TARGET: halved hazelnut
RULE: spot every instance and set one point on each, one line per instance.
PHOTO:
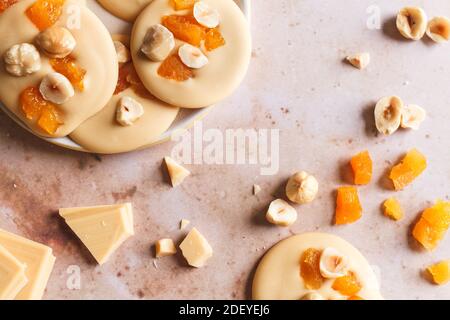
(439, 29)
(56, 88)
(205, 15)
(128, 111)
(281, 213)
(412, 22)
(412, 117)
(332, 264)
(56, 42)
(192, 56)
(123, 54)
(388, 114)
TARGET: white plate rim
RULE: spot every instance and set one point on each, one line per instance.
(66, 142)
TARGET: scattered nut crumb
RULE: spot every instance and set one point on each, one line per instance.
(256, 189)
(359, 60)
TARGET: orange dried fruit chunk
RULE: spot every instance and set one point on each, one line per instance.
(412, 165)
(48, 121)
(440, 272)
(347, 285)
(393, 209)
(127, 78)
(433, 225)
(32, 103)
(362, 168)
(68, 68)
(174, 69)
(184, 4)
(185, 28)
(355, 298)
(36, 108)
(310, 269)
(5, 4)
(213, 39)
(348, 206)
(44, 13)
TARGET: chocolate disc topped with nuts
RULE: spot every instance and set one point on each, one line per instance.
(315, 266)
(58, 64)
(131, 119)
(191, 54)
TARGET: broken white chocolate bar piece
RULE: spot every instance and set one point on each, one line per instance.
(39, 261)
(196, 249)
(12, 275)
(164, 248)
(102, 229)
(177, 173)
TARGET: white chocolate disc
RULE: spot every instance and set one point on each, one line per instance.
(94, 52)
(215, 81)
(103, 134)
(278, 274)
(125, 9)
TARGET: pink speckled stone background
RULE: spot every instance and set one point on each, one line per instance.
(297, 83)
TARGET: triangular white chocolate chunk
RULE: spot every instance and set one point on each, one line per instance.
(102, 229)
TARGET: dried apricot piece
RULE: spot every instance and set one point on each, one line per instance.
(185, 28)
(127, 78)
(362, 168)
(184, 4)
(310, 269)
(44, 13)
(347, 285)
(36, 108)
(48, 121)
(355, 298)
(433, 225)
(5, 4)
(412, 165)
(174, 69)
(348, 206)
(32, 102)
(440, 272)
(214, 39)
(393, 209)
(68, 68)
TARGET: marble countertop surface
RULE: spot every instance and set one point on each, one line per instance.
(297, 83)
